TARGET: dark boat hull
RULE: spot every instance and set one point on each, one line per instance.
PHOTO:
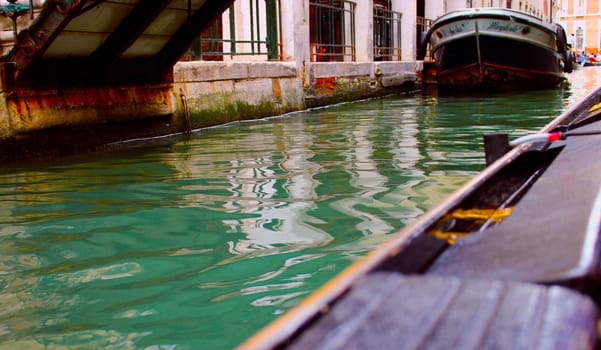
(503, 65)
(496, 49)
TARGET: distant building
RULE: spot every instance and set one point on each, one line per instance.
(583, 19)
(539, 8)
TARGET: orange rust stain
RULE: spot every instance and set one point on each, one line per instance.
(277, 90)
(94, 97)
(36, 110)
(325, 86)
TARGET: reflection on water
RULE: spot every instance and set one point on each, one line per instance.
(199, 243)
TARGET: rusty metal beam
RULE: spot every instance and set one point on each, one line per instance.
(105, 66)
(128, 31)
(34, 41)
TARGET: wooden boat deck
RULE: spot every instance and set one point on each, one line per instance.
(387, 310)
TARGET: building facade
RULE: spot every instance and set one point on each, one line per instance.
(582, 19)
(338, 49)
(544, 9)
(313, 30)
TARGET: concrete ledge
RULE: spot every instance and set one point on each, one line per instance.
(396, 67)
(199, 71)
(341, 69)
(399, 79)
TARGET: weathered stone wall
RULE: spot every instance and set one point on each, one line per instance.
(221, 92)
(208, 94)
(203, 94)
(347, 81)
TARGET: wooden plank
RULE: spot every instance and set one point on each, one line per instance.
(394, 311)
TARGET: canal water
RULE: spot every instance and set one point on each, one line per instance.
(197, 244)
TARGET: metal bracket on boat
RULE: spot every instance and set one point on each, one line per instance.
(495, 146)
(541, 137)
(560, 134)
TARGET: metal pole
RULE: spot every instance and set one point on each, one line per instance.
(272, 30)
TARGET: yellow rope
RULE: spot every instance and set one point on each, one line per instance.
(450, 237)
(479, 216)
(595, 108)
(495, 215)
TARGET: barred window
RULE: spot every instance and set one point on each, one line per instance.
(579, 39)
(332, 30)
(253, 32)
(387, 32)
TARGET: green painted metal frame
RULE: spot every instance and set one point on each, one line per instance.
(270, 46)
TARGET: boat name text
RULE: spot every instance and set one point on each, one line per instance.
(454, 29)
(505, 27)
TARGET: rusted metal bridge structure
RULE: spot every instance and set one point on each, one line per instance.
(108, 42)
(91, 62)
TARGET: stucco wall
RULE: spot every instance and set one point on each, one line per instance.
(221, 92)
(229, 91)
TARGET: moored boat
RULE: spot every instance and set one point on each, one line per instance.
(510, 260)
(497, 48)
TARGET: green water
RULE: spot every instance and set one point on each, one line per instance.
(197, 244)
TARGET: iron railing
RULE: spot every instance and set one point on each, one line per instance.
(260, 39)
(332, 30)
(387, 34)
(423, 25)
